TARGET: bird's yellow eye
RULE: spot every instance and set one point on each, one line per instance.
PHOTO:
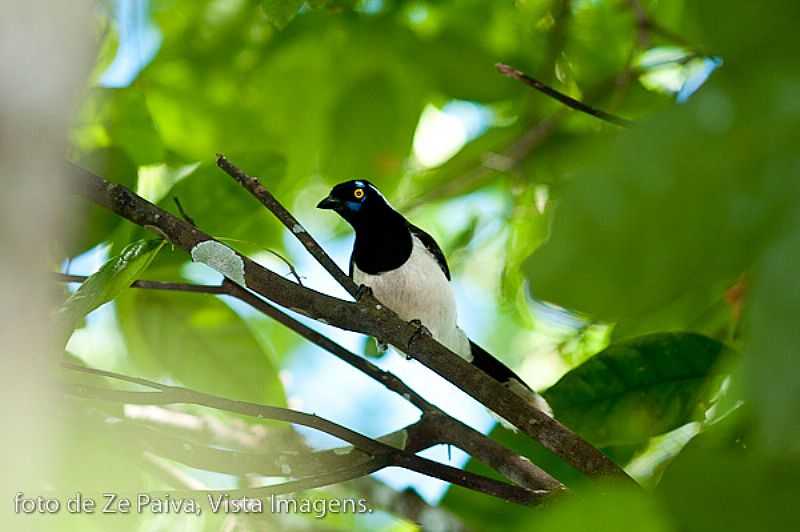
(358, 193)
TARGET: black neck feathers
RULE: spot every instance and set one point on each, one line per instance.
(383, 240)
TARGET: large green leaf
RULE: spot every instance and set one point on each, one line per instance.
(200, 342)
(637, 388)
(117, 274)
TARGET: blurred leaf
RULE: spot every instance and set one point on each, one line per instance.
(117, 274)
(640, 229)
(590, 52)
(222, 207)
(651, 461)
(156, 181)
(281, 12)
(480, 512)
(92, 450)
(126, 118)
(711, 489)
(772, 335)
(638, 388)
(604, 508)
(527, 228)
(200, 342)
(362, 145)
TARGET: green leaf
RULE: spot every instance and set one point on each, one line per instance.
(117, 274)
(281, 12)
(638, 388)
(200, 342)
(361, 144)
(640, 231)
(370, 348)
(129, 124)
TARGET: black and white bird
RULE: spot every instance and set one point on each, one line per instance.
(407, 272)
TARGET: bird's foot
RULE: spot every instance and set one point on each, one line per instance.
(420, 331)
(362, 292)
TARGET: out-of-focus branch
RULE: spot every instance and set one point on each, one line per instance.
(207, 429)
(380, 454)
(569, 101)
(408, 504)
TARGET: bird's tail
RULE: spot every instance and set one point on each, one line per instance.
(493, 367)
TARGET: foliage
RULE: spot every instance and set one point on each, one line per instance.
(637, 389)
(681, 233)
(110, 280)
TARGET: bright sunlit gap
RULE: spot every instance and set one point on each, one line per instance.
(441, 133)
(674, 70)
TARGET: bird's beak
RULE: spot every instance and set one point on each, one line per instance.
(329, 203)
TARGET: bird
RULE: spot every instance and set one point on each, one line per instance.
(407, 271)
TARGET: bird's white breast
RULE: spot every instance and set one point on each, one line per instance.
(419, 290)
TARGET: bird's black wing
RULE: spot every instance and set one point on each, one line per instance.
(431, 245)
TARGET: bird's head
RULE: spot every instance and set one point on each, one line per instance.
(355, 201)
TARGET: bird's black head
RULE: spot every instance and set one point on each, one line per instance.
(356, 201)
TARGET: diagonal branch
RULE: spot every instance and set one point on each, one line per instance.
(268, 200)
(367, 316)
(476, 383)
(569, 101)
(435, 426)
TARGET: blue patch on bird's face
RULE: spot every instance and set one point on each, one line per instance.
(354, 206)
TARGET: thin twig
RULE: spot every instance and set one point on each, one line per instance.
(155, 285)
(569, 101)
(180, 210)
(263, 195)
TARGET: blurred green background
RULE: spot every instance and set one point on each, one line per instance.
(645, 277)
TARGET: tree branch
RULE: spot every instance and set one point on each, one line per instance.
(441, 428)
(367, 316)
(268, 200)
(569, 101)
(476, 383)
(381, 454)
